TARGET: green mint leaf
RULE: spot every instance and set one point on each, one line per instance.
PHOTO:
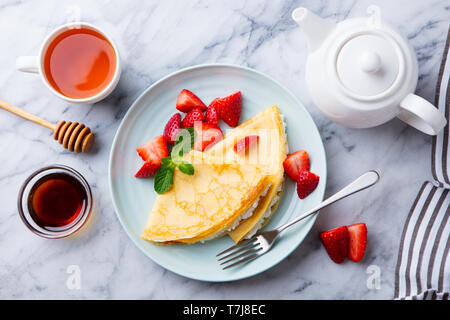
(186, 135)
(186, 168)
(163, 178)
(183, 143)
(168, 162)
(193, 135)
(177, 153)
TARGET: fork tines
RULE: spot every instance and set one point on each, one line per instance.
(239, 253)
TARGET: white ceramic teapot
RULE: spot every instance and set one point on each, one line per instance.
(361, 73)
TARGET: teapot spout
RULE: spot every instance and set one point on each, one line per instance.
(316, 29)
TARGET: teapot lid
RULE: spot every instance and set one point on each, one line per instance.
(370, 58)
(369, 63)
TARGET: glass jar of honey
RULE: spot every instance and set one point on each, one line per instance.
(55, 201)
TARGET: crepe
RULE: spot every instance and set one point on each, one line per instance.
(268, 156)
(205, 204)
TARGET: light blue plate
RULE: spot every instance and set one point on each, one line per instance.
(133, 198)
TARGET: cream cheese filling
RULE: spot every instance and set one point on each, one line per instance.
(245, 215)
(283, 120)
(266, 214)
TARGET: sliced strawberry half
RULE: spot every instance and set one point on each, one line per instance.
(149, 168)
(156, 147)
(152, 152)
(295, 162)
(336, 243)
(212, 116)
(229, 108)
(172, 128)
(306, 183)
(187, 101)
(358, 240)
(207, 135)
(245, 143)
(193, 116)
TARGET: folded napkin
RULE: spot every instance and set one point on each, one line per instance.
(423, 265)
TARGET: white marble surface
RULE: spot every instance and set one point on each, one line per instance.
(159, 37)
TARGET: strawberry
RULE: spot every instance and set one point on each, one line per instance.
(187, 101)
(336, 243)
(229, 108)
(358, 240)
(152, 152)
(306, 183)
(295, 162)
(245, 143)
(207, 135)
(172, 128)
(156, 147)
(149, 168)
(194, 115)
(212, 116)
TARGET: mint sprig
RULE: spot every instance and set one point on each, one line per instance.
(183, 144)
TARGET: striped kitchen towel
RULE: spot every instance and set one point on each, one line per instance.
(423, 265)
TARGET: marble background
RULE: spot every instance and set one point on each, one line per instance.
(156, 38)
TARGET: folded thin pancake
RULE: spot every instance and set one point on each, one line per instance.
(201, 205)
(268, 156)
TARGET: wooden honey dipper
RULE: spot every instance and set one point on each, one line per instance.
(74, 136)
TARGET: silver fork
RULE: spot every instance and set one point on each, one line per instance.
(261, 243)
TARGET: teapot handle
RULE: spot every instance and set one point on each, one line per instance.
(422, 115)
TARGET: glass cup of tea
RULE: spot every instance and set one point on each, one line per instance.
(55, 201)
(78, 62)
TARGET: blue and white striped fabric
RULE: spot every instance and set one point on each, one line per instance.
(423, 266)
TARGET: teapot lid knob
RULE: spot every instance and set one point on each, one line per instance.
(370, 62)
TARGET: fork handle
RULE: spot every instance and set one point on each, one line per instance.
(365, 181)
